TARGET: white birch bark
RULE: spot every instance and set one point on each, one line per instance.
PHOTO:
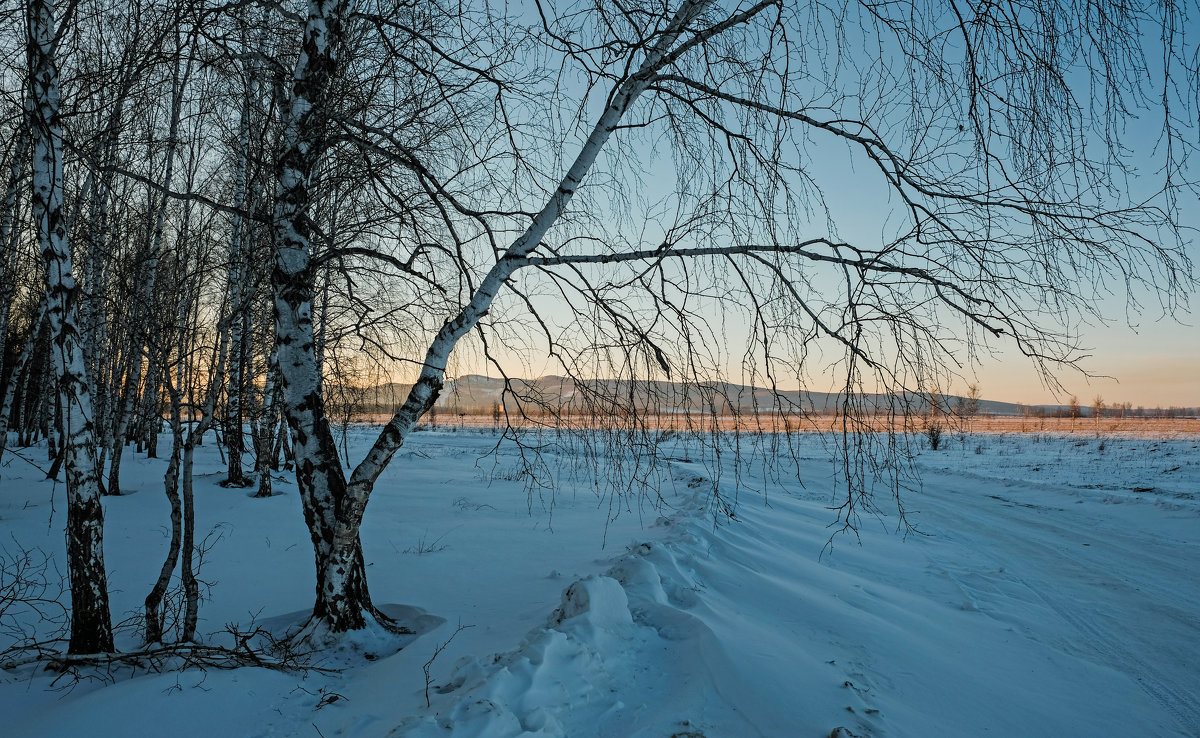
(342, 603)
(91, 629)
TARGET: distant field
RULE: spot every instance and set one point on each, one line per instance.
(1122, 427)
(1131, 427)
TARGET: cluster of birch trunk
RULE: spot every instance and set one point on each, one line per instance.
(128, 308)
(186, 210)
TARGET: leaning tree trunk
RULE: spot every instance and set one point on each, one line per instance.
(91, 626)
(333, 507)
(352, 501)
(155, 614)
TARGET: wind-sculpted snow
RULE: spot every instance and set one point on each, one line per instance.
(1051, 591)
(741, 631)
(602, 663)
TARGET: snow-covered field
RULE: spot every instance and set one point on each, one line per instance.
(1055, 591)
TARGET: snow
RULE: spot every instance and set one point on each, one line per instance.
(1051, 591)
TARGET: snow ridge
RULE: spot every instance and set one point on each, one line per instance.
(589, 670)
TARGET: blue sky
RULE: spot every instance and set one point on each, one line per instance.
(1145, 357)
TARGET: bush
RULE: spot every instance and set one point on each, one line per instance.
(933, 432)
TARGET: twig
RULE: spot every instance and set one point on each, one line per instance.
(438, 652)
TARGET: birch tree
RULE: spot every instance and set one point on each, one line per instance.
(91, 628)
(643, 193)
(1000, 207)
(239, 289)
(18, 374)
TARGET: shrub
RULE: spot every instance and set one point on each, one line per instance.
(933, 432)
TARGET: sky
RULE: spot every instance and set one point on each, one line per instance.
(1139, 354)
(1156, 363)
(1145, 358)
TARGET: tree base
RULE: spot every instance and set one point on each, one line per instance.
(380, 636)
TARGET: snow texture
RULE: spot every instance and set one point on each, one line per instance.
(1052, 593)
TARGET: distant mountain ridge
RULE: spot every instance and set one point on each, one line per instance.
(473, 393)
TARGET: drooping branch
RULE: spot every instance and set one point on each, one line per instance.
(429, 384)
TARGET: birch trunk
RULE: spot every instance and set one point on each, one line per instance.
(91, 628)
(239, 276)
(18, 373)
(155, 615)
(93, 318)
(191, 590)
(25, 412)
(241, 280)
(264, 438)
(8, 282)
(282, 458)
(128, 397)
(142, 306)
(239, 329)
(342, 602)
(235, 444)
(151, 414)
